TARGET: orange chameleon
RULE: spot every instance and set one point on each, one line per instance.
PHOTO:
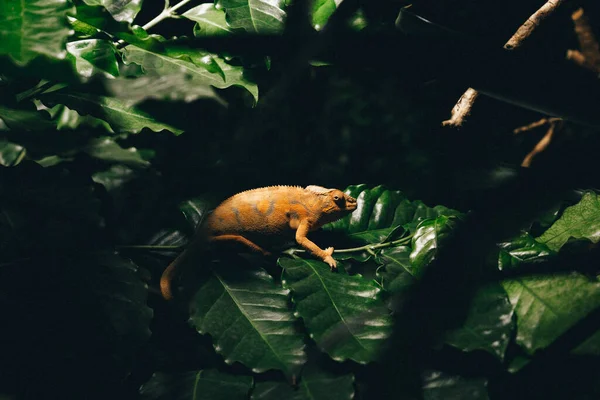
(273, 210)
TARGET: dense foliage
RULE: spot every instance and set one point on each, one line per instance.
(115, 141)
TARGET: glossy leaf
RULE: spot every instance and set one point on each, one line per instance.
(67, 119)
(523, 249)
(163, 58)
(546, 306)
(427, 238)
(489, 323)
(441, 386)
(107, 149)
(32, 28)
(248, 318)
(313, 385)
(321, 11)
(396, 273)
(121, 10)
(10, 153)
(196, 385)
(380, 212)
(581, 221)
(210, 21)
(122, 118)
(88, 19)
(255, 16)
(26, 120)
(343, 314)
(93, 56)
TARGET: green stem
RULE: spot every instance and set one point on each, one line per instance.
(167, 12)
(368, 247)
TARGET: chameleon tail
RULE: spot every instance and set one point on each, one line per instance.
(167, 277)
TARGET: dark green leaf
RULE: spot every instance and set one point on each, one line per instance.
(581, 221)
(210, 21)
(248, 317)
(89, 19)
(397, 273)
(255, 16)
(590, 346)
(195, 210)
(66, 118)
(107, 149)
(523, 249)
(121, 10)
(122, 118)
(343, 314)
(426, 239)
(489, 323)
(93, 56)
(441, 386)
(164, 58)
(546, 306)
(196, 385)
(25, 120)
(32, 28)
(314, 385)
(10, 153)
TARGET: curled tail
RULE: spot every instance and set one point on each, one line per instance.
(167, 277)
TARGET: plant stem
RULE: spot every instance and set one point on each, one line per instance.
(167, 12)
(368, 247)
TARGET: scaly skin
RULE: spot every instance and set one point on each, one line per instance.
(271, 211)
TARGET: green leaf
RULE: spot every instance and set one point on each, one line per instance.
(176, 87)
(26, 120)
(121, 10)
(546, 306)
(255, 16)
(93, 56)
(89, 19)
(107, 149)
(581, 221)
(196, 385)
(381, 211)
(248, 317)
(314, 385)
(32, 28)
(164, 58)
(426, 239)
(442, 386)
(122, 118)
(523, 249)
(489, 323)
(67, 119)
(10, 153)
(210, 21)
(321, 11)
(397, 273)
(343, 314)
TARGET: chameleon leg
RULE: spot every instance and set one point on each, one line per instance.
(305, 242)
(239, 239)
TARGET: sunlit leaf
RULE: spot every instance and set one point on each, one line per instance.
(523, 249)
(581, 221)
(546, 306)
(210, 21)
(427, 238)
(343, 314)
(196, 385)
(93, 56)
(255, 16)
(248, 318)
(121, 117)
(489, 323)
(121, 10)
(441, 386)
(32, 28)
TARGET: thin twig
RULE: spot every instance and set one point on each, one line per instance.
(536, 124)
(589, 46)
(167, 12)
(578, 58)
(368, 247)
(464, 105)
(540, 146)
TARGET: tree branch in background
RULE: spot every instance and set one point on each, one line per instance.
(464, 105)
(589, 56)
(544, 142)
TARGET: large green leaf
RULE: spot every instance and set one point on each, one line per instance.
(396, 273)
(89, 19)
(248, 317)
(10, 153)
(26, 120)
(255, 16)
(523, 249)
(581, 221)
(210, 21)
(196, 385)
(121, 10)
(426, 239)
(314, 385)
(489, 323)
(93, 56)
(546, 306)
(381, 211)
(120, 116)
(32, 28)
(343, 314)
(163, 58)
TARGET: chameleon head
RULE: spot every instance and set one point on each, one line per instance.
(337, 204)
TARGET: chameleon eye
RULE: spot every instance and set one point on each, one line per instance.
(336, 198)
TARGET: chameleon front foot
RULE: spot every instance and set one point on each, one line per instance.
(328, 259)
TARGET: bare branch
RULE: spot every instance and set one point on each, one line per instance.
(540, 146)
(590, 49)
(462, 108)
(536, 124)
